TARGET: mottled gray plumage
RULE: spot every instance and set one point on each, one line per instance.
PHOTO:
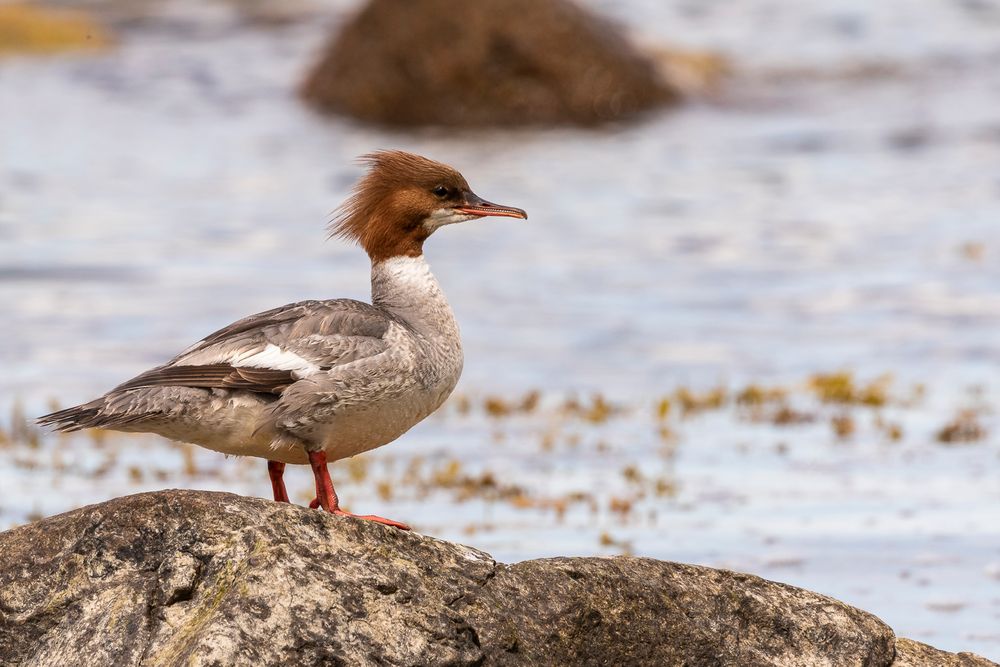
(336, 377)
(340, 375)
(325, 333)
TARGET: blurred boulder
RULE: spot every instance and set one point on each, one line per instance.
(483, 63)
(195, 578)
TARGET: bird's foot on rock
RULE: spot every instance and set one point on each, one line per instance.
(315, 504)
(372, 517)
(326, 496)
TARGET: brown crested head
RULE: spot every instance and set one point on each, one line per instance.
(403, 199)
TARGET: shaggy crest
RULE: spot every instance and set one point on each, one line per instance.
(385, 209)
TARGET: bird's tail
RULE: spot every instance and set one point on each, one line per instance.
(76, 418)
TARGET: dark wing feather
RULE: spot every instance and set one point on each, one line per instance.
(221, 376)
(322, 333)
(326, 333)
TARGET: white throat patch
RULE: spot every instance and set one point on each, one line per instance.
(445, 216)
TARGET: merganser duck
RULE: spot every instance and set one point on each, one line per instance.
(316, 381)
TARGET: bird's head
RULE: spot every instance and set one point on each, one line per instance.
(403, 199)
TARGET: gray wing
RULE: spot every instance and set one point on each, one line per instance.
(269, 351)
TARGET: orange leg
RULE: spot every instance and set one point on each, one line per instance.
(275, 470)
(326, 496)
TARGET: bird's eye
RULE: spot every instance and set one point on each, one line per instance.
(440, 191)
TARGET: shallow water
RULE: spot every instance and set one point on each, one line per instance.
(835, 207)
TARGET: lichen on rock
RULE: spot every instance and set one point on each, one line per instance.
(198, 578)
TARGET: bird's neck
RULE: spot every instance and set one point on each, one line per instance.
(406, 287)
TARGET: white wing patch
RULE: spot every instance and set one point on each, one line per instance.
(274, 358)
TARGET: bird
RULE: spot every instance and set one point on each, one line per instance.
(317, 381)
